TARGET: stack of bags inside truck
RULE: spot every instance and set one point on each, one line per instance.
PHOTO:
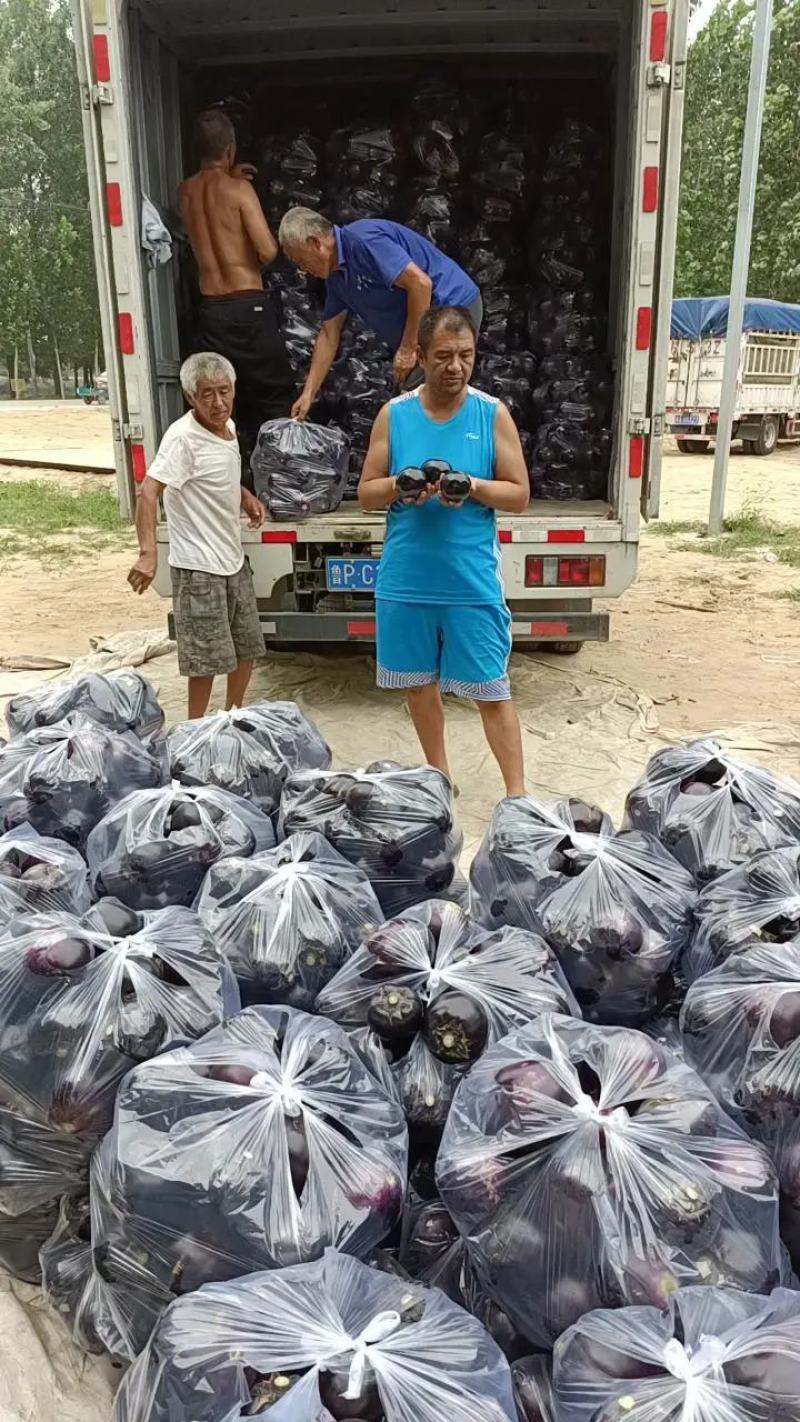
(526, 217)
(295, 1121)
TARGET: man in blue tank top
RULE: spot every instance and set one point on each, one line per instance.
(442, 621)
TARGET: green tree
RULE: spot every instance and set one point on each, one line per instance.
(48, 297)
(716, 98)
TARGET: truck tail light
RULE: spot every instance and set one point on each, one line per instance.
(713, 417)
(565, 572)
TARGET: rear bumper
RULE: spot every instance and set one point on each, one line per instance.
(300, 627)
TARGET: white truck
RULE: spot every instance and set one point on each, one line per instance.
(767, 383)
(145, 67)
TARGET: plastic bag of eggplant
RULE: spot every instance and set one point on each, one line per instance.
(79, 1005)
(709, 1355)
(616, 907)
(101, 1319)
(587, 1167)
(39, 874)
(154, 848)
(37, 1167)
(288, 919)
(62, 779)
(255, 1148)
(740, 1028)
(299, 468)
(120, 700)
(331, 1339)
(248, 751)
(713, 811)
(395, 823)
(759, 900)
(430, 990)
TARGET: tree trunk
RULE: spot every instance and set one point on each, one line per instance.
(15, 380)
(32, 367)
(57, 375)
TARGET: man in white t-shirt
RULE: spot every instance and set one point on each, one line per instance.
(198, 470)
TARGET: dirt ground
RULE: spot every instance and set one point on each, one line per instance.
(699, 643)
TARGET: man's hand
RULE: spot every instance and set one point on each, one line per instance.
(244, 170)
(253, 508)
(142, 573)
(405, 359)
(301, 406)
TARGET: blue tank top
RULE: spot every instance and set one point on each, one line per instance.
(434, 554)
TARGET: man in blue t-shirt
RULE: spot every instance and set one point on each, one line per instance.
(442, 621)
(388, 274)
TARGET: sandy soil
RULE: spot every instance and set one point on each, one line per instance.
(699, 643)
(60, 431)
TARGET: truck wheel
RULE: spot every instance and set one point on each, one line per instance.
(767, 436)
(693, 446)
(749, 446)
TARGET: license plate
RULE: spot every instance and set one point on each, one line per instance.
(351, 574)
(686, 420)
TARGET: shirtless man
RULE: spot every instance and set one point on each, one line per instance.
(231, 242)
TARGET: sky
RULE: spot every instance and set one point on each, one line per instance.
(701, 17)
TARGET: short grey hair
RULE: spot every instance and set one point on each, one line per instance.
(205, 365)
(300, 224)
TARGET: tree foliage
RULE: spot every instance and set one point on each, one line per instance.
(48, 296)
(716, 99)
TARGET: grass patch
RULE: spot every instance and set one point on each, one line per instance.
(744, 533)
(36, 507)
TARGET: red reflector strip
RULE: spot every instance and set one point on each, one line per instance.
(504, 535)
(566, 535)
(549, 629)
(102, 63)
(658, 36)
(636, 457)
(114, 204)
(361, 629)
(139, 462)
(650, 190)
(644, 327)
(125, 328)
(286, 535)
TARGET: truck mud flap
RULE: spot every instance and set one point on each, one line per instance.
(341, 627)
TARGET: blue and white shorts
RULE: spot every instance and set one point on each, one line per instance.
(464, 649)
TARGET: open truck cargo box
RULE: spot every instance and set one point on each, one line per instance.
(148, 67)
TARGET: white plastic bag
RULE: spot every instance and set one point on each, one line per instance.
(395, 823)
(254, 1148)
(712, 810)
(585, 1166)
(616, 907)
(40, 875)
(248, 751)
(758, 902)
(710, 1355)
(154, 848)
(62, 779)
(740, 1028)
(330, 1339)
(431, 989)
(121, 700)
(287, 919)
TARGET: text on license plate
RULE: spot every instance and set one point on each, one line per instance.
(686, 420)
(351, 574)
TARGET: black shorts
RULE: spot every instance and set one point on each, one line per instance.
(245, 329)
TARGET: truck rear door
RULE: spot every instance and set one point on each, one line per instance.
(115, 202)
(666, 79)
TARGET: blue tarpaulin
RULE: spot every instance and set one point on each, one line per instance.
(699, 317)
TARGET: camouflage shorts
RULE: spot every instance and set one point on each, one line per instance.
(216, 621)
